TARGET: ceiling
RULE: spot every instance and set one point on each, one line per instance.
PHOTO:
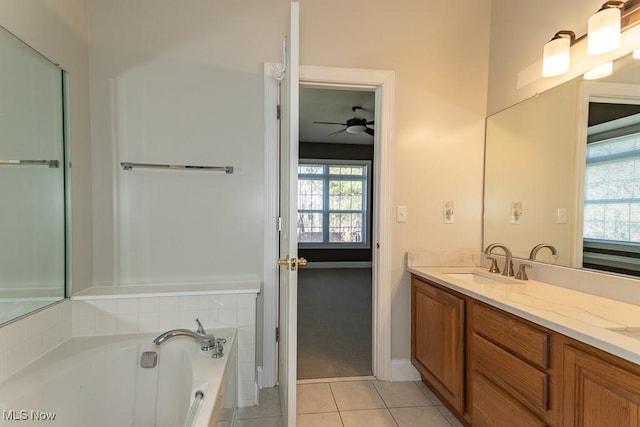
(333, 105)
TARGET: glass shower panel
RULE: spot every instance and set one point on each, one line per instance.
(32, 180)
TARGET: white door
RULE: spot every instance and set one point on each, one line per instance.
(288, 286)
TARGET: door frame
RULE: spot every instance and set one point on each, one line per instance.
(382, 82)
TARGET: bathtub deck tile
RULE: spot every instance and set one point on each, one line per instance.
(148, 322)
(105, 324)
(246, 353)
(127, 324)
(168, 320)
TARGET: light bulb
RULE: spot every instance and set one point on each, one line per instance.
(556, 57)
(603, 34)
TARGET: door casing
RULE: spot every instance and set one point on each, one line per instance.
(382, 82)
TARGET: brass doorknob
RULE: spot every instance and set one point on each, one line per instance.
(291, 263)
(284, 262)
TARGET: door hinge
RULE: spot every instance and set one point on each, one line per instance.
(279, 224)
(278, 112)
(277, 334)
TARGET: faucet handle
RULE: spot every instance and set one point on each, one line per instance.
(522, 272)
(200, 329)
(494, 265)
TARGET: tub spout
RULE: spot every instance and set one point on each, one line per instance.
(206, 341)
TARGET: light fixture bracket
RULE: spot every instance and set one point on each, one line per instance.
(563, 33)
(612, 4)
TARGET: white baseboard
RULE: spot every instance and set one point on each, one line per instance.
(403, 370)
(259, 376)
(256, 394)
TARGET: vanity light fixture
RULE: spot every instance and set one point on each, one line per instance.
(556, 53)
(602, 70)
(603, 28)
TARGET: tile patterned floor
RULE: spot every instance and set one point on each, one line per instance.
(354, 404)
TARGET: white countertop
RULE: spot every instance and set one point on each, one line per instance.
(576, 314)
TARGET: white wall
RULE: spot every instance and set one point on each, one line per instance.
(181, 82)
(438, 51)
(59, 30)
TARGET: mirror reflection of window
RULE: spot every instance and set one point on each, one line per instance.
(611, 228)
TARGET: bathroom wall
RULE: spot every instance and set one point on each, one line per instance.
(182, 82)
(59, 30)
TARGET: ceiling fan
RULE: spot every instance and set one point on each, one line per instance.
(356, 124)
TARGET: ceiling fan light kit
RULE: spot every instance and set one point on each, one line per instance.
(354, 125)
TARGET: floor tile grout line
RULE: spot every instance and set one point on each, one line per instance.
(335, 401)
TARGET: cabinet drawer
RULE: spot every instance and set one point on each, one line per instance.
(492, 407)
(521, 339)
(510, 373)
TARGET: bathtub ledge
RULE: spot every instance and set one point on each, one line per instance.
(168, 290)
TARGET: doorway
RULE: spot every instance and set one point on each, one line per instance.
(335, 217)
(382, 82)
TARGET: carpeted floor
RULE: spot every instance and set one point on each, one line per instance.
(334, 323)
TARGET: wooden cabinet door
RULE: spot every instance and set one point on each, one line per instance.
(437, 335)
(598, 393)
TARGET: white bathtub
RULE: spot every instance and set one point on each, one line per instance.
(98, 381)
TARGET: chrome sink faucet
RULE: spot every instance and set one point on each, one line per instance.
(207, 341)
(508, 258)
(536, 248)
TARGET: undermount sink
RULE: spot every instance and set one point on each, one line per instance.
(478, 279)
(632, 332)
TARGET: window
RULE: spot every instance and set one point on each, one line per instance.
(332, 203)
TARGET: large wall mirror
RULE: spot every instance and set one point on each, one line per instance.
(560, 168)
(33, 180)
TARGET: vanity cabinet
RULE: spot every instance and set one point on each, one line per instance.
(437, 340)
(495, 369)
(599, 389)
(509, 368)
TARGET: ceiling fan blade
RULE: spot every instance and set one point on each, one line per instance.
(369, 131)
(337, 132)
(330, 123)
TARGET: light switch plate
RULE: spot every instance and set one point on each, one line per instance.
(401, 214)
(562, 215)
